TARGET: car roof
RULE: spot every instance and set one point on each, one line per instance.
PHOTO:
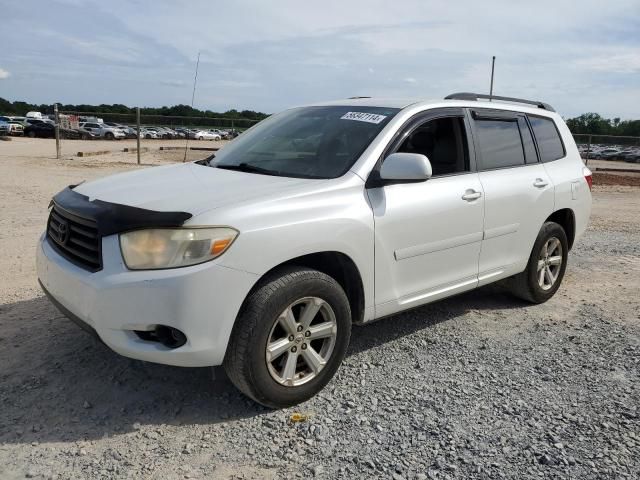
(422, 103)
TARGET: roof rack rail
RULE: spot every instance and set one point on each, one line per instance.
(355, 98)
(476, 96)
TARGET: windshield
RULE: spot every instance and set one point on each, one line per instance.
(307, 142)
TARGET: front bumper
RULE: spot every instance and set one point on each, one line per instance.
(202, 301)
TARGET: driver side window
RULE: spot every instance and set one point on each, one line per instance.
(444, 142)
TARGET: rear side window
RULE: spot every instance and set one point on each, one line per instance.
(548, 138)
(499, 143)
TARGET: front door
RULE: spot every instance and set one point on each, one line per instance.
(428, 234)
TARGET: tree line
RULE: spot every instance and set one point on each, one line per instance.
(587, 123)
(21, 108)
(594, 124)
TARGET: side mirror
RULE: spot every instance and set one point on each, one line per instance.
(405, 168)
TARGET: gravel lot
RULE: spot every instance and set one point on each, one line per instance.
(477, 386)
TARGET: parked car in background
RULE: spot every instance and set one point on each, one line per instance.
(5, 128)
(16, 128)
(148, 134)
(162, 132)
(36, 115)
(86, 134)
(630, 155)
(33, 121)
(103, 131)
(204, 135)
(181, 132)
(608, 153)
(47, 130)
(85, 119)
(130, 132)
(216, 134)
(12, 127)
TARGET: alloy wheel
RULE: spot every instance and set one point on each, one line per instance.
(301, 341)
(549, 263)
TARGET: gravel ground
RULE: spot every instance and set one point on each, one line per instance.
(476, 386)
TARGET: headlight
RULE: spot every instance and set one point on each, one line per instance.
(174, 247)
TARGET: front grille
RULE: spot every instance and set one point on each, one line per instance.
(75, 238)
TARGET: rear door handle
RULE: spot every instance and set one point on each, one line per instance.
(471, 195)
(540, 183)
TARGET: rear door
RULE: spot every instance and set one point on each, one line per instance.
(519, 194)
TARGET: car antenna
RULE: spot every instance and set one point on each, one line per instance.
(493, 64)
(193, 96)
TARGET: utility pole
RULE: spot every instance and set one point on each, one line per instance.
(493, 64)
(138, 130)
(57, 129)
(193, 97)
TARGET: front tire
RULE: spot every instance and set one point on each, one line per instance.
(109, 136)
(290, 337)
(545, 269)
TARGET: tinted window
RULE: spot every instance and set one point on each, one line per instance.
(308, 142)
(548, 138)
(444, 142)
(530, 154)
(500, 144)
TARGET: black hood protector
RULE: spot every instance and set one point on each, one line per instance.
(113, 217)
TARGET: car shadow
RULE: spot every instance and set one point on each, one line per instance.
(59, 384)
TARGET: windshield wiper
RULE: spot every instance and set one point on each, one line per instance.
(245, 167)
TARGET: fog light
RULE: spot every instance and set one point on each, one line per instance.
(170, 337)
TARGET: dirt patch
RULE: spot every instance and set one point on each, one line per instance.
(628, 179)
(476, 386)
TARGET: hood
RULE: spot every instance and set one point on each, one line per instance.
(187, 187)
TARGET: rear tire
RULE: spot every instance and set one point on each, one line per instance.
(31, 134)
(545, 269)
(278, 356)
(109, 136)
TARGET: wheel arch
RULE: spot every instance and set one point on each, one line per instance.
(337, 265)
(565, 217)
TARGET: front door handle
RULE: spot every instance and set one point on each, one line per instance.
(540, 183)
(471, 195)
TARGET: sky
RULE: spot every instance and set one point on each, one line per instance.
(579, 56)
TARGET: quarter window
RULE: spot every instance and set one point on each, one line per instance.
(499, 143)
(548, 138)
(530, 154)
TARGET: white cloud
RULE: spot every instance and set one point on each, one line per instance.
(4, 74)
(615, 63)
(577, 59)
(173, 83)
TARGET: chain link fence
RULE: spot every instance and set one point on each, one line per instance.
(608, 147)
(143, 134)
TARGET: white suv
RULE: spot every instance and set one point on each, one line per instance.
(262, 257)
(103, 130)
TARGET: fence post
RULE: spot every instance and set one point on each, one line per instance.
(138, 131)
(57, 129)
